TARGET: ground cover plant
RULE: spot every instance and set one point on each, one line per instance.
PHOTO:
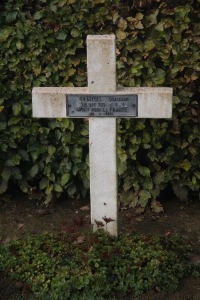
(43, 44)
(97, 266)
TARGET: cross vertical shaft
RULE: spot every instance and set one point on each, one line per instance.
(101, 69)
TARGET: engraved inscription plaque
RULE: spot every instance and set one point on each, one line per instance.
(102, 105)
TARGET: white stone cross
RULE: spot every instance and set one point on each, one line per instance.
(103, 102)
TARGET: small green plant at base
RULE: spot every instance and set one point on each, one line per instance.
(101, 267)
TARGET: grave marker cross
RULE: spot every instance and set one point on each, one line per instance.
(102, 102)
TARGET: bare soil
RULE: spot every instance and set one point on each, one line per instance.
(21, 217)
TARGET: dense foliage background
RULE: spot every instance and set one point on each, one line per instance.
(43, 44)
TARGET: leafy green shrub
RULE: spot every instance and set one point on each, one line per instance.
(43, 44)
(103, 266)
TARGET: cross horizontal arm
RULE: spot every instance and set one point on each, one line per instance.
(50, 102)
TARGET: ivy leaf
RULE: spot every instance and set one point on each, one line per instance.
(14, 160)
(38, 15)
(23, 185)
(61, 36)
(49, 189)
(128, 183)
(122, 154)
(122, 24)
(186, 165)
(130, 197)
(51, 150)
(158, 178)
(16, 108)
(11, 16)
(3, 186)
(147, 183)
(160, 26)
(177, 37)
(48, 199)
(4, 34)
(5, 174)
(53, 7)
(61, 3)
(180, 191)
(16, 173)
(139, 16)
(75, 32)
(33, 171)
(157, 207)
(19, 45)
(197, 174)
(152, 18)
(77, 152)
(144, 196)
(149, 45)
(139, 125)
(24, 155)
(71, 190)
(144, 171)
(99, 1)
(85, 131)
(121, 35)
(64, 179)
(58, 188)
(159, 76)
(44, 182)
(139, 25)
(122, 167)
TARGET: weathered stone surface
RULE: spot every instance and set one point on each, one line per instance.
(152, 102)
(101, 68)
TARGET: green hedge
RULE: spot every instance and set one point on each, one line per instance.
(43, 44)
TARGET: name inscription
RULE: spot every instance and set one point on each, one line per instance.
(102, 105)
